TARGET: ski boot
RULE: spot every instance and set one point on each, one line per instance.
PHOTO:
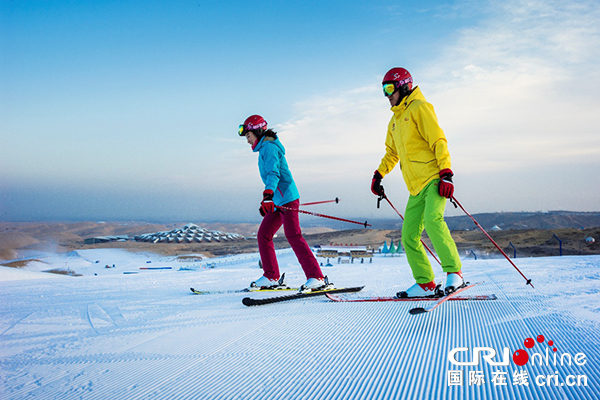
(314, 284)
(454, 281)
(420, 290)
(264, 283)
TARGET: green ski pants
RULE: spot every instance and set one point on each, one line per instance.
(426, 211)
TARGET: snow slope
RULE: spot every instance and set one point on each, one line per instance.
(143, 335)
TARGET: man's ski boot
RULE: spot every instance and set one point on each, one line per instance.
(454, 281)
(314, 284)
(264, 283)
(421, 290)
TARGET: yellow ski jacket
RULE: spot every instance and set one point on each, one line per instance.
(415, 139)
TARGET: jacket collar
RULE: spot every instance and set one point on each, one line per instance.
(261, 142)
(257, 145)
(415, 95)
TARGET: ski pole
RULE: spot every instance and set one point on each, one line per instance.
(336, 200)
(383, 196)
(365, 224)
(456, 202)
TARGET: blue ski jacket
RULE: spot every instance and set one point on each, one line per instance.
(274, 170)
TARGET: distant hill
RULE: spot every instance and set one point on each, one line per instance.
(513, 220)
(30, 240)
(538, 220)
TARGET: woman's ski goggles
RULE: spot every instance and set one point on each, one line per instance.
(250, 127)
(389, 89)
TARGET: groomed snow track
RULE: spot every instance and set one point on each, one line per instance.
(146, 337)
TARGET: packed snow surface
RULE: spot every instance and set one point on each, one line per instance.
(121, 332)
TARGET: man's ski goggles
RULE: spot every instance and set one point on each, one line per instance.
(389, 89)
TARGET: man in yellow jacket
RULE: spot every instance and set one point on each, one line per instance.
(416, 141)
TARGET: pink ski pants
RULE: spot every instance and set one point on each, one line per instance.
(291, 227)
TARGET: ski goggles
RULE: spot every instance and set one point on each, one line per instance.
(389, 89)
(245, 128)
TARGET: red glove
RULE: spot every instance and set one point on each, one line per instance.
(376, 187)
(267, 205)
(446, 187)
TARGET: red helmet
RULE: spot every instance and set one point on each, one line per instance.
(399, 76)
(252, 123)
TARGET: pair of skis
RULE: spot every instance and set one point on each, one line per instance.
(439, 300)
(278, 289)
(249, 301)
(281, 287)
(330, 294)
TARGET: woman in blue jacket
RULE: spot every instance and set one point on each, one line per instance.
(280, 190)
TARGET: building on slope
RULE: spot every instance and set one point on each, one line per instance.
(190, 233)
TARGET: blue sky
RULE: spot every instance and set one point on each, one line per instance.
(129, 110)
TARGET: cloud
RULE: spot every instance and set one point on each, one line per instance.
(521, 85)
(340, 133)
(333, 144)
(516, 95)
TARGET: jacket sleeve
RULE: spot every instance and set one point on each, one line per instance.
(391, 157)
(272, 163)
(434, 135)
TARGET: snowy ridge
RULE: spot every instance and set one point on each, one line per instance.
(15, 274)
(146, 336)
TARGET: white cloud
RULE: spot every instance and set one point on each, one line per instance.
(520, 105)
(524, 82)
(340, 133)
(333, 145)
(516, 94)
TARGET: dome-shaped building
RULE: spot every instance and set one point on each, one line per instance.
(190, 233)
